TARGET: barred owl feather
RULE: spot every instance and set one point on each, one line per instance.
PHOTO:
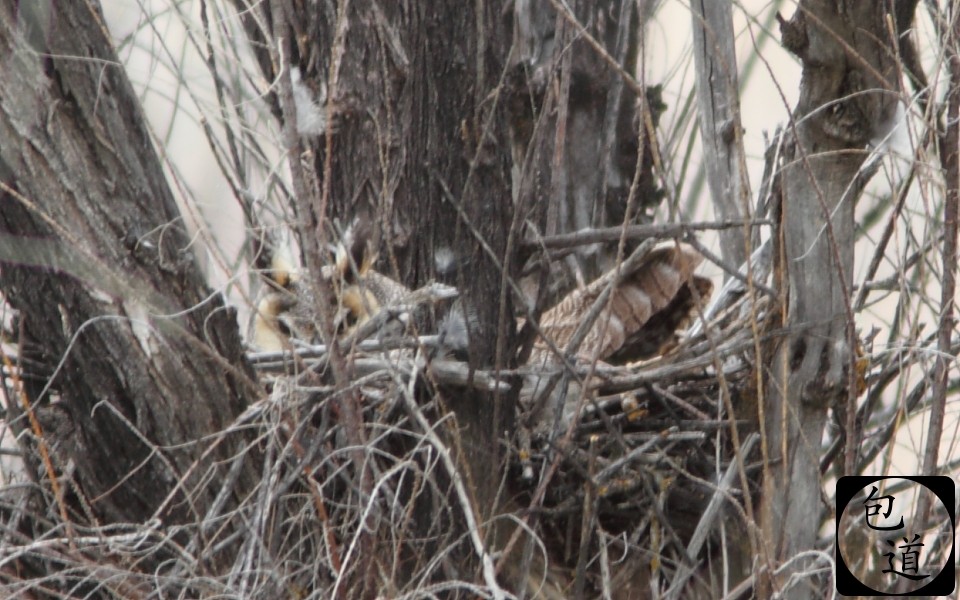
(641, 315)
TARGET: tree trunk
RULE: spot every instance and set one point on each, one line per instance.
(847, 98)
(462, 150)
(721, 129)
(579, 128)
(146, 360)
(419, 148)
(423, 95)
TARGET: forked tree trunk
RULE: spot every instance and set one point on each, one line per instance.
(148, 362)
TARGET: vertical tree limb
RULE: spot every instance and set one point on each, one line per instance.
(420, 148)
(847, 94)
(721, 131)
(947, 326)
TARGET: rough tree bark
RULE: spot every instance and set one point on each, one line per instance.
(848, 96)
(99, 267)
(148, 362)
(423, 95)
(720, 125)
(579, 126)
(419, 147)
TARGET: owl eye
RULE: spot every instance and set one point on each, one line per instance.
(350, 319)
(346, 321)
(283, 328)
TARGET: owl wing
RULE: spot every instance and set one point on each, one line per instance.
(387, 291)
(642, 313)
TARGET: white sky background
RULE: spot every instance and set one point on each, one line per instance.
(669, 50)
(769, 84)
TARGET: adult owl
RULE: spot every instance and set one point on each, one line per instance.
(649, 300)
(652, 300)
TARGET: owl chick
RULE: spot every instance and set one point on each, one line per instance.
(279, 317)
(288, 312)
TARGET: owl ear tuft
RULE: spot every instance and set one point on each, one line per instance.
(282, 271)
(355, 254)
(273, 257)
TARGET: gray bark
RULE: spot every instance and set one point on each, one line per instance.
(420, 149)
(847, 96)
(582, 153)
(148, 361)
(720, 125)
